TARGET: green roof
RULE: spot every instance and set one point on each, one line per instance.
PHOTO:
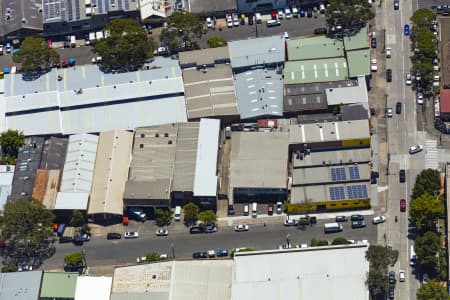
(321, 70)
(358, 62)
(314, 48)
(59, 285)
(358, 41)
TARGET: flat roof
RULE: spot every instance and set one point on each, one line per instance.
(348, 94)
(259, 51)
(359, 40)
(71, 201)
(46, 187)
(320, 70)
(259, 93)
(54, 153)
(210, 92)
(202, 6)
(444, 100)
(328, 272)
(6, 178)
(326, 174)
(59, 285)
(329, 131)
(317, 47)
(93, 288)
(154, 8)
(20, 285)
(206, 56)
(205, 178)
(258, 160)
(110, 172)
(19, 15)
(358, 62)
(346, 156)
(330, 192)
(358, 111)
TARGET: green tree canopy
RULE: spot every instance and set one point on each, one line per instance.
(316, 242)
(163, 217)
(11, 141)
(426, 247)
(424, 210)
(74, 259)
(433, 290)
(216, 41)
(423, 17)
(126, 46)
(348, 13)
(152, 257)
(77, 219)
(35, 55)
(190, 212)
(429, 181)
(207, 216)
(379, 258)
(182, 32)
(340, 241)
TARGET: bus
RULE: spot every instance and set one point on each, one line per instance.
(332, 227)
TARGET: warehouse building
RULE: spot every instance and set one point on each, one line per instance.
(258, 167)
(6, 179)
(173, 164)
(20, 285)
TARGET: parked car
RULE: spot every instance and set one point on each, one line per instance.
(81, 238)
(65, 239)
(389, 112)
(199, 255)
(408, 79)
(402, 175)
(273, 23)
(406, 29)
(320, 30)
(357, 218)
(162, 232)
(415, 149)
(378, 220)
(230, 210)
(8, 48)
(373, 65)
(270, 209)
(210, 228)
(391, 293)
(401, 276)
(290, 222)
(279, 208)
(211, 253)
(402, 205)
(222, 253)
(424, 278)
(131, 235)
(113, 236)
(398, 108)
(302, 12)
(373, 43)
(196, 229)
(240, 227)
(341, 219)
(389, 75)
(280, 14)
(388, 52)
(419, 97)
(209, 22)
(358, 224)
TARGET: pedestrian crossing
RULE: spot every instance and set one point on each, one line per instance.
(431, 154)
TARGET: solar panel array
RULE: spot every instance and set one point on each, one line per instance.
(357, 191)
(77, 9)
(354, 172)
(337, 193)
(338, 174)
(53, 9)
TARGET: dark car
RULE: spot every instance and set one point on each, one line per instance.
(113, 236)
(391, 293)
(270, 209)
(402, 175)
(357, 218)
(391, 276)
(222, 253)
(196, 229)
(341, 219)
(313, 220)
(396, 4)
(65, 239)
(199, 255)
(389, 75)
(358, 224)
(302, 12)
(250, 19)
(210, 228)
(230, 210)
(320, 30)
(373, 43)
(309, 13)
(398, 108)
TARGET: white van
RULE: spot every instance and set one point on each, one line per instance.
(254, 210)
(287, 13)
(177, 215)
(294, 11)
(245, 209)
(258, 18)
(412, 257)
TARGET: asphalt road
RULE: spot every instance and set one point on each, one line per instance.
(100, 251)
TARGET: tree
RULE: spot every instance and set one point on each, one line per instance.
(182, 31)
(190, 212)
(429, 181)
(35, 55)
(424, 210)
(77, 219)
(423, 17)
(426, 248)
(163, 217)
(11, 141)
(207, 216)
(216, 41)
(433, 290)
(379, 258)
(340, 241)
(348, 13)
(126, 47)
(316, 243)
(74, 259)
(152, 257)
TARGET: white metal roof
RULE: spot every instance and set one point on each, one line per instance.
(205, 179)
(93, 288)
(6, 178)
(71, 201)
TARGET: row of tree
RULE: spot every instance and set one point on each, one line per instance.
(191, 213)
(380, 258)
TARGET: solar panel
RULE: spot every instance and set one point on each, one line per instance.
(354, 172)
(357, 191)
(337, 192)
(77, 9)
(338, 174)
(69, 9)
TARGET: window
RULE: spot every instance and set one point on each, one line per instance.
(141, 146)
(142, 135)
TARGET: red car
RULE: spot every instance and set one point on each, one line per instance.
(402, 205)
(273, 15)
(64, 64)
(270, 209)
(49, 43)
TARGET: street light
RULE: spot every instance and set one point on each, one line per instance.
(83, 254)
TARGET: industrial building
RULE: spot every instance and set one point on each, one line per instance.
(20, 285)
(6, 179)
(20, 18)
(110, 174)
(209, 84)
(258, 167)
(86, 100)
(173, 164)
(331, 166)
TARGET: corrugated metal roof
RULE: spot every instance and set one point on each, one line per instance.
(203, 56)
(358, 62)
(6, 178)
(205, 179)
(348, 94)
(319, 70)
(259, 51)
(316, 47)
(359, 40)
(71, 201)
(20, 285)
(93, 288)
(59, 285)
(46, 186)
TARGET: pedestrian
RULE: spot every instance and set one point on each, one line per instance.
(264, 224)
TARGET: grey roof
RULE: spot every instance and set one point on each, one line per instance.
(354, 112)
(20, 285)
(28, 161)
(331, 272)
(322, 192)
(259, 93)
(348, 156)
(54, 153)
(204, 57)
(258, 160)
(322, 174)
(352, 93)
(259, 51)
(20, 14)
(6, 178)
(207, 6)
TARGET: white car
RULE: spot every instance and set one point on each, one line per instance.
(286, 35)
(209, 22)
(290, 222)
(389, 113)
(141, 259)
(388, 52)
(240, 227)
(229, 22)
(373, 65)
(322, 8)
(131, 235)
(96, 59)
(378, 220)
(280, 14)
(415, 149)
(408, 80)
(162, 232)
(419, 97)
(211, 253)
(401, 276)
